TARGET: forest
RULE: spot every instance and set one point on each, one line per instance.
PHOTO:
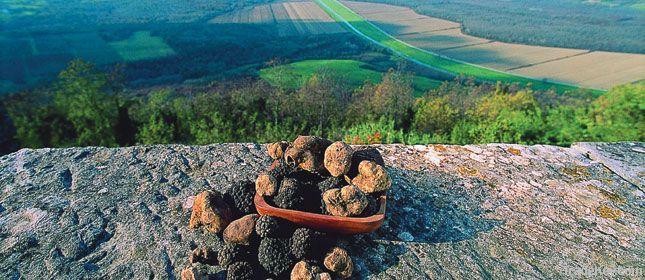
(595, 25)
(86, 106)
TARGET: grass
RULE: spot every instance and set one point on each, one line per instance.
(353, 72)
(343, 14)
(142, 46)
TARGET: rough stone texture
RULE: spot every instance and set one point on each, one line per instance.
(469, 212)
(625, 159)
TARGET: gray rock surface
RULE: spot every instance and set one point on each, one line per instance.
(467, 212)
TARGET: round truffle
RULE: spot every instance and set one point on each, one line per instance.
(346, 202)
(276, 150)
(241, 231)
(274, 256)
(266, 184)
(269, 226)
(230, 253)
(372, 177)
(307, 244)
(240, 271)
(241, 195)
(338, 158)
(339, 261)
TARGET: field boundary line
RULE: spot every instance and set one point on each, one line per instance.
(549, 60)
(338, 16)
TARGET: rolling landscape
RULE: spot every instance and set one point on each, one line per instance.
(405, 71)
(322, 139)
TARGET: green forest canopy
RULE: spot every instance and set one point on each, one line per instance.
(89, 107)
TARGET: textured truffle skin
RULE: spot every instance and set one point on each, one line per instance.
(291, 195)
(371, 208)
(372, 177)
(241, 195)
(346, 202)
(266, 184)
(311, 143)
(305, 271)
(331, 183)
(241, 231)
(211, 211)
(308, 244)
(339, 261)
(204, 255)
(274, 256)
(269, 226)
(276, 150)
(338, 159)
(240, 271)
(230, 253)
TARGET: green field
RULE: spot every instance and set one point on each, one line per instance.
(353, 72)
(343, 14)
(142, 46)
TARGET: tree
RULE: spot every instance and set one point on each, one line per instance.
(87, 99)
(619, 115)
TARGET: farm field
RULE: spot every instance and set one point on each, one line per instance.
(354, 72)
(370, 31)
(141, 46)
(560, 65)
(288, 18)
(604, 69)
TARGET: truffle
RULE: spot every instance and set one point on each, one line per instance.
(193, 273)
(230, 253)
(372, 177)
(203, 255)
(266, 184)
(240, 271)
(307, 244)
(241, 195)
(346, 202)
(276, 150)
(331, 183)
(269, 226)
(338, 261)
(211, 211)
(274, 256)
(371, 208)
(241, 231)
(304, 271)
(338, 158)
(304, 159)
(362, 153)
(311, 143)
(291, 195)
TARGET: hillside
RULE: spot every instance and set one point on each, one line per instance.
(441, 44)
(611, 25)
(481, 212)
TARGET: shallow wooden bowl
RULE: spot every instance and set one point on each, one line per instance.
(326, 223)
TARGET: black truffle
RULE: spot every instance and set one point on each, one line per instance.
(241, 196)
(274, 256)
(331, 183)
(240, 271)
(308, 244)
(230, 253)
(371, 208)
(291, 194)
(269, 226)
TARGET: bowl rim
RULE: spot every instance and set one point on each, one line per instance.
(262, 206)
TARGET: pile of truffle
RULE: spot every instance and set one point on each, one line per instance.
(315, 175)
(311, 174)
